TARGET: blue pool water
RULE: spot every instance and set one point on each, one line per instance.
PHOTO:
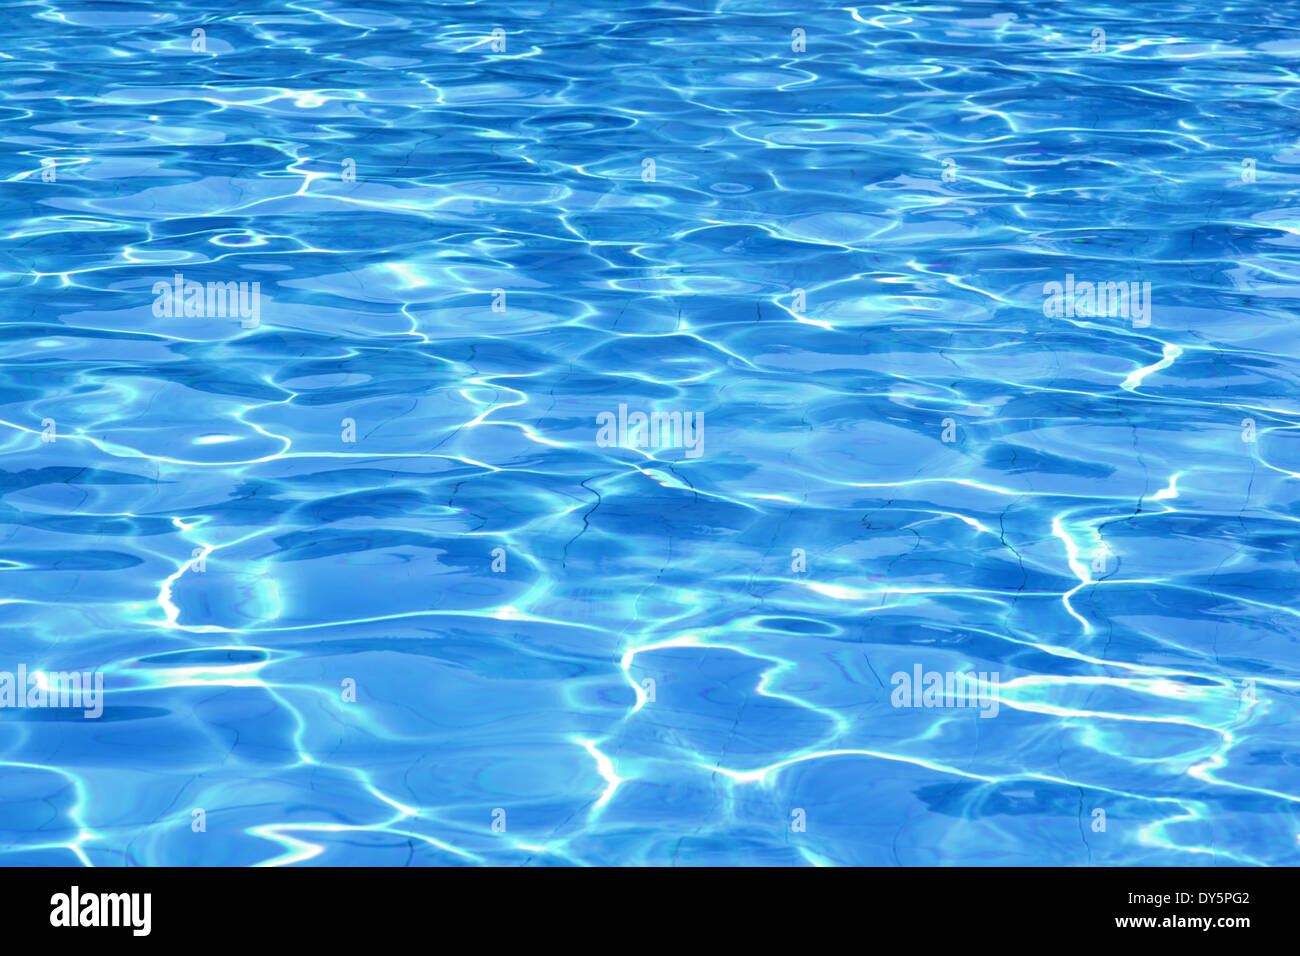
(371, 578)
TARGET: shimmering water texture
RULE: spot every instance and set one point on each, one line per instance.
(681, 657)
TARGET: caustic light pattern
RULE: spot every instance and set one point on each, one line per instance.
(741, 433)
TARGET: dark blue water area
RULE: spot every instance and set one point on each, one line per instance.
(330, 341)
